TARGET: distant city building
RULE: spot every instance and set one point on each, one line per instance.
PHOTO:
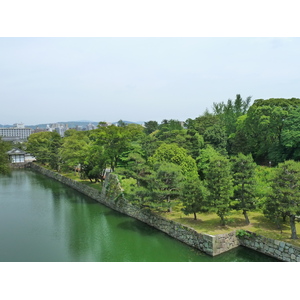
(59, 128)
(91, 126)
(36, 130)
(16, 133)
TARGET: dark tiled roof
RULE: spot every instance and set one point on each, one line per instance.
(15, 151)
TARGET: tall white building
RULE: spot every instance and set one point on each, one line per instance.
(59, 128)
(17, 132)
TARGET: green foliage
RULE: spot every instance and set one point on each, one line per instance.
(150, 127)
(4, 160)
(206, 154)
(238, 141)
(285, 197)
(158, 188)
(174, 154)
(263, 179)
(169, 125)
(243, 169)
(201, 123)
(74, 149)
(45, 147)
(231, 111)
(115, 140)
(264, 127)
(216, 136)
(166, 185)
(219, 184)
(149, 144)
(194, 197)
(242, 233)
(290, 135)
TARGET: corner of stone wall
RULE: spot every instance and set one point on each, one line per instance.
(225, 242)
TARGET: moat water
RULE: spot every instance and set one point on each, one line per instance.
(42, 220)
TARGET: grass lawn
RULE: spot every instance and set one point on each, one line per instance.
(210, 223)
(76, 177)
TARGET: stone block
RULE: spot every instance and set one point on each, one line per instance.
(282, 244)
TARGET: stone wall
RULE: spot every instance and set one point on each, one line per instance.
(21, 165)
(278, 249)
(112, 196)
(225, 242)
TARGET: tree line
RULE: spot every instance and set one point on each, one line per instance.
(237, 156)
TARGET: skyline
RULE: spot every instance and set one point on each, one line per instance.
(49, 80)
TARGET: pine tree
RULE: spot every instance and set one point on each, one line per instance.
(285, 197)
(243, 169)
(219, 183)
(194, 197)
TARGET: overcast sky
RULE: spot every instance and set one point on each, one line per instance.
(47, 80)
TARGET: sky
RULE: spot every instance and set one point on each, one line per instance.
(48, 80)
(107, 61)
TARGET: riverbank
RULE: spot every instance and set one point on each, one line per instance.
(112, 196)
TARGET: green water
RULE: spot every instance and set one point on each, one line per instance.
(41, 220)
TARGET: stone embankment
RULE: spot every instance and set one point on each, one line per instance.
(279, 249)
(112, 196)
(21, 165)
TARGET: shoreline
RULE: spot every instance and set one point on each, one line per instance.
(113, 197)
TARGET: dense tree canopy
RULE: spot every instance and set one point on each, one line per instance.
(45, 147)
(207, 164)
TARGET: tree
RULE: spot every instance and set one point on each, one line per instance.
(231, 111)
(114, 139)
(4, 161)
(74, 150)
(45, 147)
(190, 140)
(156, 188)
(121, 123)
(285, 196)
(193, 196)
(219, 184)
(243, 169)
(238, 141)
(290, 135)
(204, 158)
(264, 126)
(172, 153)
(216, 136)
(201, 123)
(149, 144)
(95, 160)
(150, 127)
(166, 186)
(169, 125)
